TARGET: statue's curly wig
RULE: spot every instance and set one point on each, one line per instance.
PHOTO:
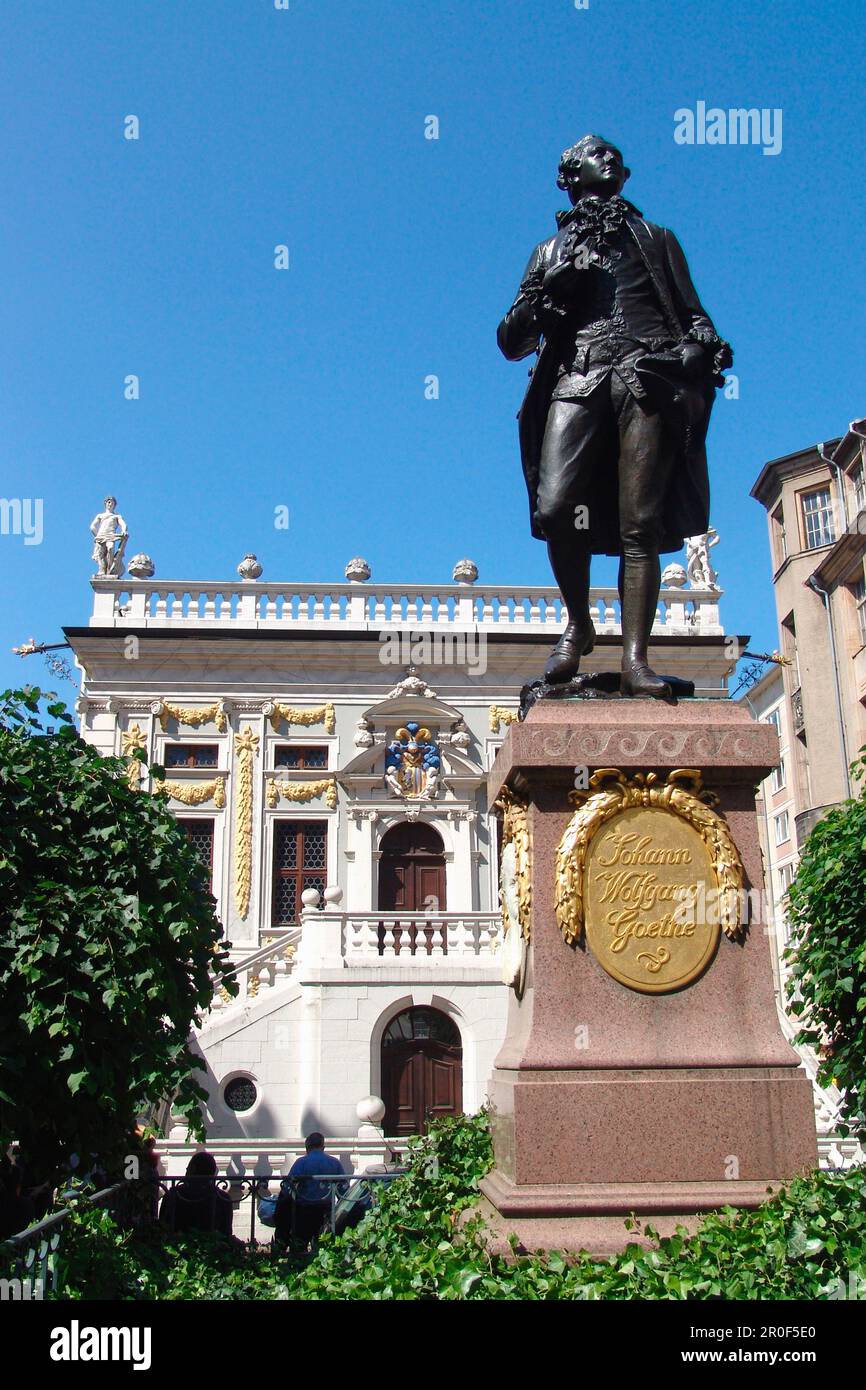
(570, 161)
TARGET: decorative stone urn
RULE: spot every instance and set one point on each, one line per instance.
(358, 571)
(249, 567)
(465, 572)
(141, 567)
(674, 576)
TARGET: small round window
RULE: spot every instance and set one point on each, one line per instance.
(240, 1093)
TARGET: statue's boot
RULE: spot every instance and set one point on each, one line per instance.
(639, 580)
(570, 561)
(564, 661)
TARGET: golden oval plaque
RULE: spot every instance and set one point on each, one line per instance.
(638, 864)
(639, 869)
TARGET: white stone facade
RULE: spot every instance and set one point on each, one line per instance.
(232, 674)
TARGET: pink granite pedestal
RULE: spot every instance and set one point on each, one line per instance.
(607, 1101)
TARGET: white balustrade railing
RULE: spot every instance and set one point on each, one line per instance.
(402, 938)
(259, 970)
(255, 605)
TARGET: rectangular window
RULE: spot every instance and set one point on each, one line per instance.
(297, 755)
(786, 877)
(200, 837)
(775, 718)
(818, 524)
(780, 826)
(191, 755)
(859, 487)
(300, 862)
(778, 776)
(858, 593)
(780, 542)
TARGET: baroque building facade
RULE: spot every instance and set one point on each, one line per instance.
(326, 749)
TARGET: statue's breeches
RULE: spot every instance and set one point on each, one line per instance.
(609, 454)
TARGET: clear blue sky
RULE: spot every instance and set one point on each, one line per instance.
(305, 388)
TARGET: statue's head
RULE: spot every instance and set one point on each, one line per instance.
(593, 165)
(110, 504)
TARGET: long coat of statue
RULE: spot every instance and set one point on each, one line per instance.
(686, 509)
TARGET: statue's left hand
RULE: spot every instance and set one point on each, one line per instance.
(694, 359)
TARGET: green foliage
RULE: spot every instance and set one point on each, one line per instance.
(827, 953)
(806, 1242)
(107, 936)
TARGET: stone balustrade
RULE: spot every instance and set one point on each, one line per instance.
(260, 970)
(253, 605)
(364, 939)
(389, 938)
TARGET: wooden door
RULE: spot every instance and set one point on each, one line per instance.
(412, 870)
(422, 1070)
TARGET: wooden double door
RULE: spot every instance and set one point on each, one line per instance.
(422, 1070)
(412, 870)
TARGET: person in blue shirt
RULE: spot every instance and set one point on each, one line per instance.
(305, 1203)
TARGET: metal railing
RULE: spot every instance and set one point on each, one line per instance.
(32, 1254)
(221, 1197)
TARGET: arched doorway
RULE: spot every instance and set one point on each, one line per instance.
(422, 1070)
(412, 869)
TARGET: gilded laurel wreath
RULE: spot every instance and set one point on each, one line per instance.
(692, 802)
(515, 830)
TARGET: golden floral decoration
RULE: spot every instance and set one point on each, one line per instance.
(193, 715)
(195, 793)
(289, 714)
(499, 715)
(246, 750)
(301, 791)
(133, 740)
(515, 830)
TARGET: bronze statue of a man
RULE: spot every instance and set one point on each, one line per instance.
(614, 422)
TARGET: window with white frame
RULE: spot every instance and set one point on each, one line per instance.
(859, 486)
(780, 827)
(858, 593)
(780, 541)
(818, 525)
(777, 780)
(786, 877)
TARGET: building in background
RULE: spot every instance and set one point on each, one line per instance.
(816, 509)
(326, 749)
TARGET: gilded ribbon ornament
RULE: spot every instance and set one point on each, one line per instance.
(499, 715)
(193, 715)
(289, 714)
(301, 791)
(246, 750)
(195, 793)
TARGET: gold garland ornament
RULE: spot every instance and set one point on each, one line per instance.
(499, 715)
(132, 741)
(246, 750)
(301, 791)
(515, 831)
(195, 793)
(671, 878)
(278, 714)
(193, 715)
